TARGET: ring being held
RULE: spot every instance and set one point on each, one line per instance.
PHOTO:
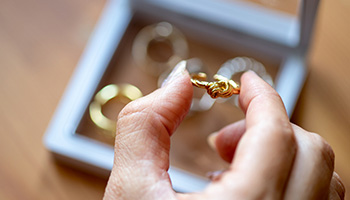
(223, 86)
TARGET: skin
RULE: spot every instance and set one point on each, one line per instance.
(270, 157)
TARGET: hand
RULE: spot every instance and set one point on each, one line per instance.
(270, 157)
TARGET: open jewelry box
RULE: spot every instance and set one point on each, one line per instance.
(216, 30)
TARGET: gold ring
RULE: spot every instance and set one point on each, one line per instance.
(221, 87)
(224, 86)
(106, 94)
(200, 102)
(162, 32)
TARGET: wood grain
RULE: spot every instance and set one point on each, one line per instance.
(40, 45)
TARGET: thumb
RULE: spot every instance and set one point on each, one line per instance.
(142, 139)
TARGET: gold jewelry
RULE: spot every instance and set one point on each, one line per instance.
(106, 94)
(160, 32)
(200, 102)
(221, 87)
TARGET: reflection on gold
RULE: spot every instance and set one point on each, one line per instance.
(221, 87)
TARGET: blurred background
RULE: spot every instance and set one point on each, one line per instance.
(40, 45)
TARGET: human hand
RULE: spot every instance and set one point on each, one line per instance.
(270, 157)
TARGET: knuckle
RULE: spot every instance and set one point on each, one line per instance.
(283, 130)
(325, 151)
(279, 132)
(288, 136)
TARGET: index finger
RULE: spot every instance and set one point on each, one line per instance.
(265, 153)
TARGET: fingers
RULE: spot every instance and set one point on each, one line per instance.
(144, 125)
(226, 140)
(313, 167)
(143, 139)
(312, 175)
(336, 189)
(265, 153)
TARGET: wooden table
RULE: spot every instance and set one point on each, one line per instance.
(40, 45)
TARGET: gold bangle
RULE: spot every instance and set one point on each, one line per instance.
(160, 32)
(106, 94)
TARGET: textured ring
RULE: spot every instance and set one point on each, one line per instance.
(221, 87)
(224, 86)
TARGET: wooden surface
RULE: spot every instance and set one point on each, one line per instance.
(40, 45)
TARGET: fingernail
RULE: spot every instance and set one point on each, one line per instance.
(211, 140)
(178, 70)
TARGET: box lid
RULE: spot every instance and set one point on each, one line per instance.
(290, 27)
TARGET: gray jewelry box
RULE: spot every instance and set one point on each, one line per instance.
(238, 23)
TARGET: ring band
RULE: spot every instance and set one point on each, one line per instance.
(160, 32)
(106, 94)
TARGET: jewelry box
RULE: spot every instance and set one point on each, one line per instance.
(276, 33)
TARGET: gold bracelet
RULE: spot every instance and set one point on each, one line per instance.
(106, 94)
